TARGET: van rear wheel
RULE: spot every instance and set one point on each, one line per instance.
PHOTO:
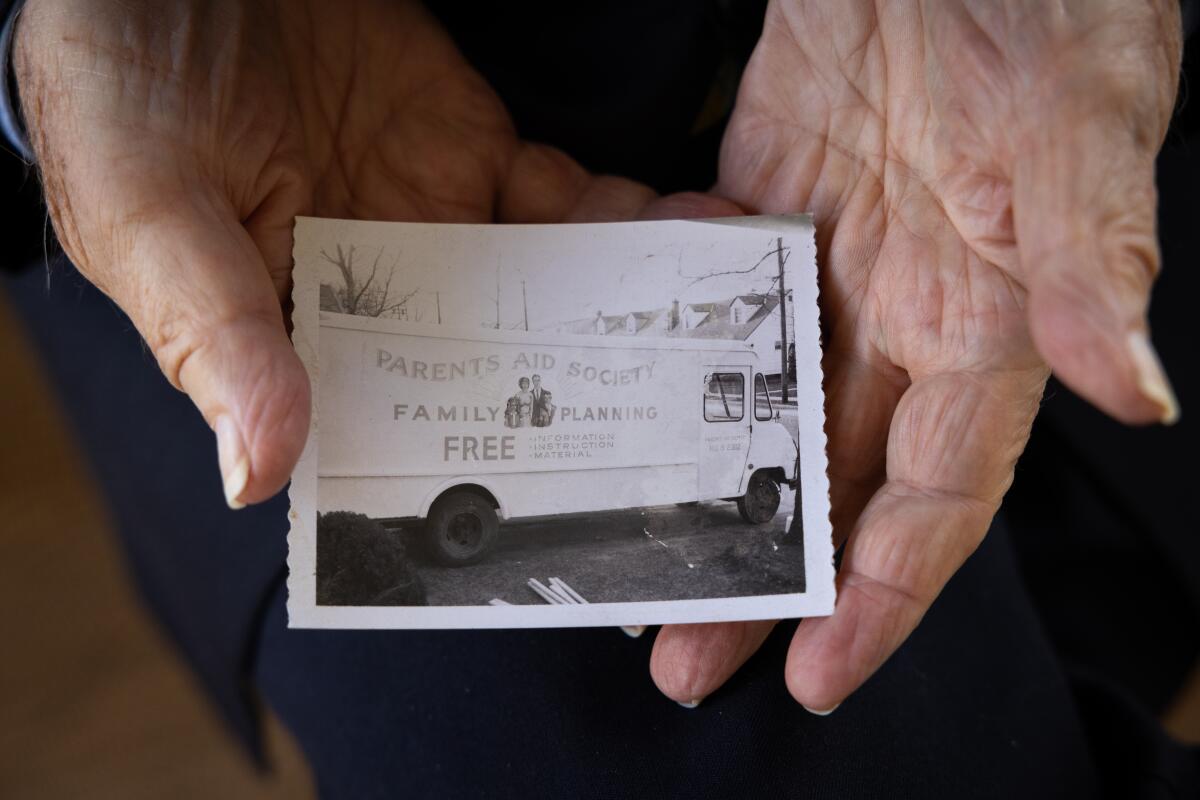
(761, 500)
(461, 529)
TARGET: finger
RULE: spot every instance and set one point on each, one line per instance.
(953, 443)
(1084, 214)
(195, 285)
(544, 185)
(689, 205)
(861, 392)
(690, 662)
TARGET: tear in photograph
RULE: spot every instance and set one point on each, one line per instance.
(559, 425)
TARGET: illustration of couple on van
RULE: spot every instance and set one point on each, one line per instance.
(530, 407)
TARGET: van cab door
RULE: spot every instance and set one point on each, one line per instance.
(724, 430)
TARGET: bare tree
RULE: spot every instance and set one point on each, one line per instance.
(780, 252)
(368, 298)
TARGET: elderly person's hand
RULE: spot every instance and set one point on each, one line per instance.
(178, 139)
(982, 177)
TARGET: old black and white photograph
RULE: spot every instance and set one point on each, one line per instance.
(559, 425)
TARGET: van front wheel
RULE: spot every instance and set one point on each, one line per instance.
(761, 500)
(461, 529)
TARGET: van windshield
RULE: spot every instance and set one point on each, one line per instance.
(762, 399)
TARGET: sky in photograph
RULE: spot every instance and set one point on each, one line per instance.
(570, 272)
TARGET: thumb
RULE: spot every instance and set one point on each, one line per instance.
(1084, 213)
(195, 285)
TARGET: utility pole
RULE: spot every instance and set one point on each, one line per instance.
(438, 297)
(525, 305)
(783, 343)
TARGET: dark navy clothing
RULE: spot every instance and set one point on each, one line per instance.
(1037, 673)
(975, 705)
(979, 702)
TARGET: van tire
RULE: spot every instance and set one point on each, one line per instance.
(761, 501)
(461, 529)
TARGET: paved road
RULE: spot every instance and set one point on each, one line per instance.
(660, 553)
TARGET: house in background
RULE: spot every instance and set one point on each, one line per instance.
(750, 318)
(648, 323)
(695, 314)
(745, 306)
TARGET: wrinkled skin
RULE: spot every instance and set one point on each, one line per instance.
(981, 174)
(982, 179)
(178, 141)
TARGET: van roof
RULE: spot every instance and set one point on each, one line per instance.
(329, 319)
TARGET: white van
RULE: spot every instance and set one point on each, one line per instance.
(464, 428)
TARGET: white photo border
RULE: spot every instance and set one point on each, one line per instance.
(819, 596)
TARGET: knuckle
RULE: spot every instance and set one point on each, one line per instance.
(1135, 265)
(1130, 248)
(173, 341)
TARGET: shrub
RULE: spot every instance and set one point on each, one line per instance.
(359, 563)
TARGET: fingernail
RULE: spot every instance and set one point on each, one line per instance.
(1151, 379)
(692, 704)
(633, 631)
(232, 458)
(820, 713)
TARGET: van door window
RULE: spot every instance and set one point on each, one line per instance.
(762, 399)
(724, 395)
